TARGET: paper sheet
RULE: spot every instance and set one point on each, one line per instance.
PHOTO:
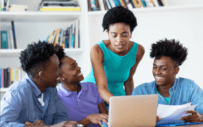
(173, 113)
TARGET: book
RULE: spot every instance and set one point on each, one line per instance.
(4, 39)
(112, 3)
(105, 5)
(101, 5)
(108, 4)
(135, 2)
(160, 3)
(18, 8)
(93, 5)
(97, 5)
(14, 37)
(58, 8)
(2, 5)
(11, 39)
(89, 5)
(76, 33)
(156, 3)
(2, 78)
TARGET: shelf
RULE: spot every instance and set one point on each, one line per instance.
(154, 9)
(39, 16)
(3, 89)
(16, 52)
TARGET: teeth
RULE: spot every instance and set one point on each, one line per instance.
(79, 74)
(158, 77)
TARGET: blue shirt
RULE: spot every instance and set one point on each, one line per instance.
(183, 91)
(20, 104)
(80, 105)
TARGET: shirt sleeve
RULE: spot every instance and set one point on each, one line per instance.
(11, 106)
(197, 97)
(61, 112)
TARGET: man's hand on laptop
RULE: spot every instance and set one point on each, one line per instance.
(98, 118)
(158, 119)
(194, 117)
(36, 123)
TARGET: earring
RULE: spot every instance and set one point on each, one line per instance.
(63, 78)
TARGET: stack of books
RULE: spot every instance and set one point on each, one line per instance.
(68, 38)
(10, 75)
(5, 6)
(97, 5)
(18, 8)
(59, 5)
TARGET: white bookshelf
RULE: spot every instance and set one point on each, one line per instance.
(16, 52)
(3, 89)
(39, 16)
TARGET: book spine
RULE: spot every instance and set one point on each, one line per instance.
(89, 5)
(2, 78)
(4, 39)
(14, 37)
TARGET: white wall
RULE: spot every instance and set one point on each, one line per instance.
(185, 25)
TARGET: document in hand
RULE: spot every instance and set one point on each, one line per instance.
(173, 113)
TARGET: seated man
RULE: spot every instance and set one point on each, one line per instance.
(169, 55)
(82, 100)
(34, 99)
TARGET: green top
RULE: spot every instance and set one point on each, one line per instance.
(117, 68)
(167, 99)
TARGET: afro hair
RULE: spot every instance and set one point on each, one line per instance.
(119, 15)
(35, 56)
(170, 48)
(59, 51)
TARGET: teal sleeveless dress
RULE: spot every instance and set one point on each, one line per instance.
(117, 68)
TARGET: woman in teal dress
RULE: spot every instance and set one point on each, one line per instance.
(114, 61)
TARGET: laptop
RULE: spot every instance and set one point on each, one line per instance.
(133, 111)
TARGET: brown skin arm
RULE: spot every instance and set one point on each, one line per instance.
(62, 124)
(102, 108)
(97, 59)
(194, 117)
(96, 118)
(129, 84)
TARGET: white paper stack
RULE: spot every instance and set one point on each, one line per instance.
(173, 113)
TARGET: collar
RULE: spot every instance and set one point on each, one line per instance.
(35, 89)
(172, 89)
(67, 93)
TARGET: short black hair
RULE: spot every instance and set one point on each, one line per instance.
(119, 14)
(35, 56)
(170, 48)
(59, 51)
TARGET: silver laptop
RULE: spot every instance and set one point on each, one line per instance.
(131, 111)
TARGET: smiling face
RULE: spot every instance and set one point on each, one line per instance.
(119, 36)
(70, 70)
(164, 71)
(51, 71)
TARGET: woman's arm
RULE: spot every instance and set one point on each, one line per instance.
(129, 84)
(102, 108)
(97, 58)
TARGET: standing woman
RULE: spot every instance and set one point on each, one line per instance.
(115, 60)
